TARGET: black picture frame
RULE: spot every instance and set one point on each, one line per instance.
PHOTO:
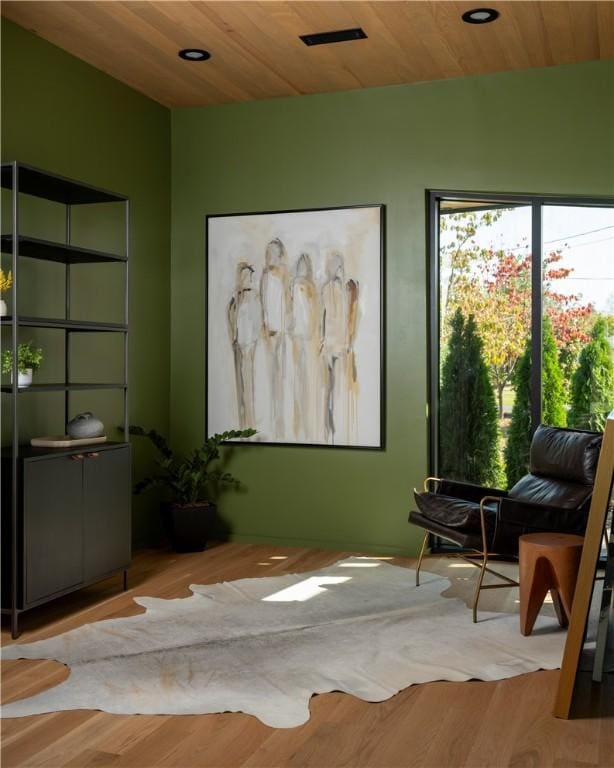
(382, 324)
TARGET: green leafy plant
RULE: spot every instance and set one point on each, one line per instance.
(188, 477)
(469, 448)
(28, 356)
(553, 403)
(519, 436)
(592, 385)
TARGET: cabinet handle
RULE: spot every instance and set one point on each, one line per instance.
(76, 457)
(92, 455)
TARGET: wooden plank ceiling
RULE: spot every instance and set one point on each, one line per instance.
(256, 52)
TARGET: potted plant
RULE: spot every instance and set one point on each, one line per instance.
(6, 281)
(29, 359)
(188, 516)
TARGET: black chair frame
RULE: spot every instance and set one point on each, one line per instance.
(554, 496)
(482, 554)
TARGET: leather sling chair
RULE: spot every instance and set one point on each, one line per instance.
(554, 496)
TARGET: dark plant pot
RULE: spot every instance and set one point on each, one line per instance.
(188, 525)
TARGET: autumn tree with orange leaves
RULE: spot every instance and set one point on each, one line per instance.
(495, 287)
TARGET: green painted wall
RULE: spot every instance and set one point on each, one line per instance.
(546, 130)
(65, 116)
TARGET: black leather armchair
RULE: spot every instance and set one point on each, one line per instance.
(554, 496)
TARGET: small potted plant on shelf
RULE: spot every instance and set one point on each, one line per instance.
(189, 515)
(6, 281)
(29, 359)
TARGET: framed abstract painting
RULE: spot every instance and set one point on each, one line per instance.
(294, 325)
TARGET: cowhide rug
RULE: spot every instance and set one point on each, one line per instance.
(265, 646)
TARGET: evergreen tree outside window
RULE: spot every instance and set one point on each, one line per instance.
(469, 431)
(592, 386)
(553, 404)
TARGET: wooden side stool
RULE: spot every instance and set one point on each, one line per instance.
(548, 561)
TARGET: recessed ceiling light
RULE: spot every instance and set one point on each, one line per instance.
(339, 36)
(480, 15)
(194, 54)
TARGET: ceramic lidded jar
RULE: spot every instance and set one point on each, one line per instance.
(85, 425)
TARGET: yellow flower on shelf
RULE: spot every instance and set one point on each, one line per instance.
(6, 280)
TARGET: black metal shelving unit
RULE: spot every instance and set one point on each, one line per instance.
(63, 253)
(23, 179)
(64, 387)
(69, 325)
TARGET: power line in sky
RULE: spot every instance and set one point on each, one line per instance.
(579, 245)
(593, 242)
(579, 234)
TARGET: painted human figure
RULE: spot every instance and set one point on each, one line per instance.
(305, 343)
(338, 334)
(275, 300)
(245, 325)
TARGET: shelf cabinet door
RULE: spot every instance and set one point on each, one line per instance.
(53, 526)
(106, 511)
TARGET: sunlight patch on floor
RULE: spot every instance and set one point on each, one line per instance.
(305, 589)
(359, 565)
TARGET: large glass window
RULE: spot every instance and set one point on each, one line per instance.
(522, 327)
(578, 268)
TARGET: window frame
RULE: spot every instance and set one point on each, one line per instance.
(434, 197)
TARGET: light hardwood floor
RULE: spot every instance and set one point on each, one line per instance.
(506, 723)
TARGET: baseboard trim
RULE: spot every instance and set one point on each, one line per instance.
(344, 546)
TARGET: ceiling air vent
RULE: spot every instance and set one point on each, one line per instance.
(340, 36)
